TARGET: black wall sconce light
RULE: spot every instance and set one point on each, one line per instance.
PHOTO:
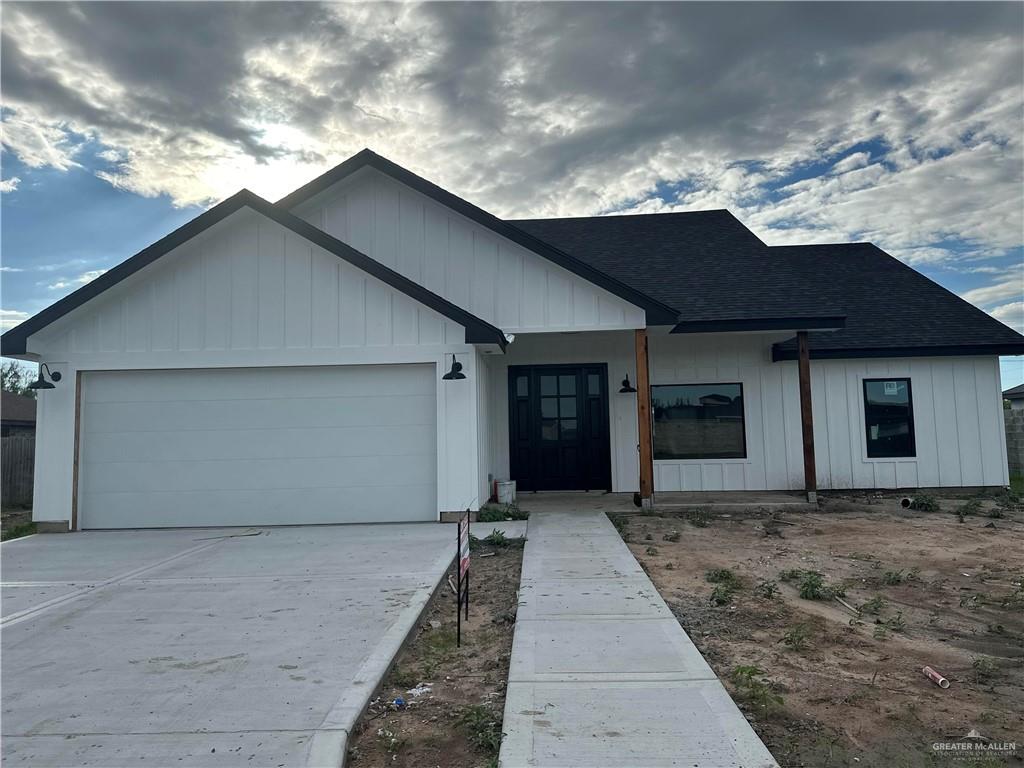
(41, 382)
(455, 373)
(626, 386)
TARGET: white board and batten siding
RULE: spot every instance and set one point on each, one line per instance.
(956, 404)
(250, 294)
(466, 263)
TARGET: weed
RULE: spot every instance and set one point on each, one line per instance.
(482, 727)
(513, 512)
(752, 688)
(893, 578)
(621, 523)
(720, 576)
(972, 507)
(673, 537)
(648, 537)
(813, 587)
(922, 502)
(984, 669)
(670, 566)
(496, 538)
(651, 550)
(797, 637)
(895, 623)
(722, 593)
(873, 606)
(699, 517)
(404, 678)
(391, 740)
(19, 530)
(790, 575)
(772, 527)
(880, 633)
(769, 590)
(490, 513)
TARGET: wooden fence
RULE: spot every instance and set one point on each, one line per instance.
(17, 461)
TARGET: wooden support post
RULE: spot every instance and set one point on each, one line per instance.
(77, 448)
(807, 417)
(643, 416)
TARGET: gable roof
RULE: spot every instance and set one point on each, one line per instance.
(658, 312)
(477, 331)
(705, 264)
(18, 409)
(892, 310)
(1015, 393)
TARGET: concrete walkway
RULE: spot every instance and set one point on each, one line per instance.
(601, 674)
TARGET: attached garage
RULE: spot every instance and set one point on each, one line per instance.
(258, 446)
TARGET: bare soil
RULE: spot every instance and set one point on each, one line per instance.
(950, 595)
(455, 697)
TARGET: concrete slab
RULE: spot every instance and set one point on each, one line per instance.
(620, 724)
(575, 598)
(601, 673)
(616, 649)
(266, 646)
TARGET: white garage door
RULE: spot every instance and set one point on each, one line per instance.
(258, 446)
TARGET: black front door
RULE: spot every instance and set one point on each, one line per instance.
(558, 427)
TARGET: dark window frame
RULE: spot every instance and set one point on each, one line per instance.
(910, 415)
(743, 456)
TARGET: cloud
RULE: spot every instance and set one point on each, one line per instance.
(9, 185)
(11, 317)
(77, 281)
(1011, 314)
(554, 109)
(11, 269)
(1009, 287)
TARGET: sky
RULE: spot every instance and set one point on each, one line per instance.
(896, 123)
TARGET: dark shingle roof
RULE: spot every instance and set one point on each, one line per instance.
(1014, 393)
(17, 408)
(710, 267)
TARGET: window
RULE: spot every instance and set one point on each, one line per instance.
(698, 421)
(889, 418)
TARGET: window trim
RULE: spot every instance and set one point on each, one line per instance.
(744, 459)
(912, 456)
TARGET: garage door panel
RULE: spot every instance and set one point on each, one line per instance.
(166, 448)
(259, 474)
(262, 413)
(276, 507)
(232, 384)
(263, 443)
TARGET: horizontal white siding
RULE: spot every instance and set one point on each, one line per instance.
(957, 418)
(495, 279)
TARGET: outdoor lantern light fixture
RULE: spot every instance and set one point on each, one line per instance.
(626, 386)
(42, 383)
(455, 373)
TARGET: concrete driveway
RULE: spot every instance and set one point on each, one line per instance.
(204, 647)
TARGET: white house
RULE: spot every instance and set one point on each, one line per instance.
(292, 363)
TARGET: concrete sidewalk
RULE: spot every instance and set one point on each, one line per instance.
(601, 674)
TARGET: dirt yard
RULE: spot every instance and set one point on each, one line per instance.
(454, 697)
(828, 684)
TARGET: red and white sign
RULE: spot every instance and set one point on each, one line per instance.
(463, 546)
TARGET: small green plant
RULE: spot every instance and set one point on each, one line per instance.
(769, 590)
(874, 606)
(984, 669)
(880, 633)
(789, 575)
(651, 550)
(490, 513)
(699, 517)
(496, 538)
(404, 677)
(391, 740)
(813, 587)
(972, 507)
(893, 578)
(797, 637)
(482, 727)
(922, 502)
(722, 594)
(670, 566)
(19, 530)
(995, 513)
(720, 576)
(754, 689)
(895, 623)
(672, 536)
(621, 523)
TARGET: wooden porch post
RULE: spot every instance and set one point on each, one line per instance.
(807, 417)
(643, 417)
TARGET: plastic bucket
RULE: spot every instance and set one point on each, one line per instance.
(506, 491)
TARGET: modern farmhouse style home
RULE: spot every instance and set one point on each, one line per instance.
(374, 348)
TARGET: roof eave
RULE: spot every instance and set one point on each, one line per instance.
(781, 353)
(758, 324)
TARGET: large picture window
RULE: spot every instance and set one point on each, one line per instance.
(889, 418)
(698, 421)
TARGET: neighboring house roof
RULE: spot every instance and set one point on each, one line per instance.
(477, 331)
(658, 313)
(17, 409)
(705, 264)
(891, 309)
(1014, 393)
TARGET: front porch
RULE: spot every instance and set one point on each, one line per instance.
(721, 502)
